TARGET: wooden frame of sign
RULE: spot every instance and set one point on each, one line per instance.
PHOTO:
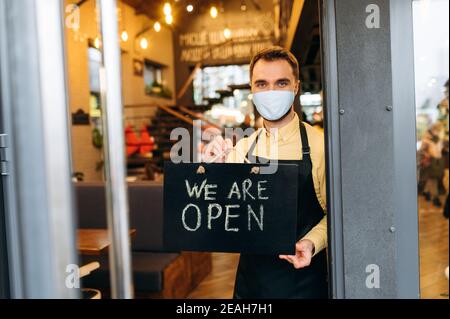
(230, 208)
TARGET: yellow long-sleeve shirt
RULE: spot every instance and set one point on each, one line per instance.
(288, 146)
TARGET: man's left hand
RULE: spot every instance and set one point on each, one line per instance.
(303, 254)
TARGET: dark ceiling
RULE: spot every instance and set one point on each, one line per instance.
(151, 8)
(154, 8)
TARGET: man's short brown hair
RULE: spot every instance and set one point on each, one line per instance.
(275, 53)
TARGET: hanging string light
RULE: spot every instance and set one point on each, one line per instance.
(157, 26)
(167, 9)
(97, 42)
(143, 43)
(169, 19)
(213, 12)
(124, 34)
(227, 33)
(243, 6)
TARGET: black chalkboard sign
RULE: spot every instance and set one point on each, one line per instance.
(230, 208)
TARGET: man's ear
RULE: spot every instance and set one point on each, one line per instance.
(297, 87)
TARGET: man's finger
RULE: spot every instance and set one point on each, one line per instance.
(304, 252)
(217, 149)
(289, 258)
(303, 258)
(301, 262)
(209, 150)
(228, 144)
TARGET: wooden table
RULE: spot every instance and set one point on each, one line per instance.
(94, 241)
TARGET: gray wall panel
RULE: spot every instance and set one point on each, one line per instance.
(366, 132)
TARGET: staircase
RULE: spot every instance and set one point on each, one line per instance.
(165, 120)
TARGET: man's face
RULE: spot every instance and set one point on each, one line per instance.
(273, 75)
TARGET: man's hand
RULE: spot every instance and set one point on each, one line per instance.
(303, 254)
(217, 150)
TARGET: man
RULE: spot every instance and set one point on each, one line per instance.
(274, 78)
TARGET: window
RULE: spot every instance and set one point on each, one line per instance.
(95, 62)
(95, 111)
(212, 79)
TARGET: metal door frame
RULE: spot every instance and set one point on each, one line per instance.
(38, 191)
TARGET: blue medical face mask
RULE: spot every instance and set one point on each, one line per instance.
(273, 104)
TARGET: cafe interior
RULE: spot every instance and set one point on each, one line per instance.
(185, 64)
(182, 62)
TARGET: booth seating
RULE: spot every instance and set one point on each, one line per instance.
(156, 274)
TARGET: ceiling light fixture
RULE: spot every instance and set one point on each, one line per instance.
(157, 26)
(227, 33)
(213, 12)
(169, 19)
(167, 9)
(124, 36)
(97, 43)
(144, 43)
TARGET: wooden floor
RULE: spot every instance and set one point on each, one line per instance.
(433, 240)
(434, 237)
(220, 282)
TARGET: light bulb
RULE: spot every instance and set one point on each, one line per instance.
(124, 36)
(213, 12)
(97, 42)
(227, 33)
(157, 26)
(144, 43)
(169, 19)
(167, 9)
(189, 8)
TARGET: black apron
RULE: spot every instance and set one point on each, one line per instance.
(268, 276)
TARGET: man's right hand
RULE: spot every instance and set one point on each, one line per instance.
(217, 150)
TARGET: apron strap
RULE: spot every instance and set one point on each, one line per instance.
(306, 150)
